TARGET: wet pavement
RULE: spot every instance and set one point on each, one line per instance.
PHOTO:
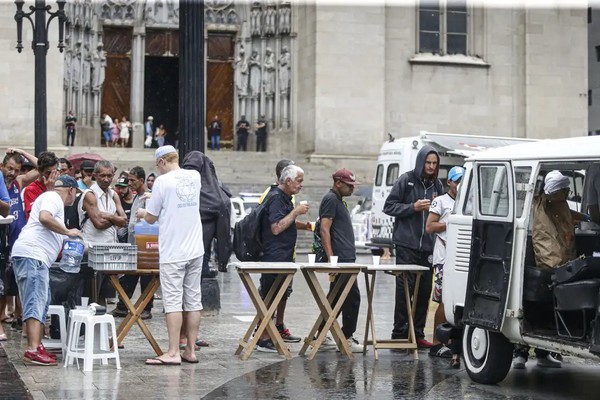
(220, 374)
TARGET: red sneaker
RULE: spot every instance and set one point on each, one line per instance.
(41, 349)
(37, 358)
(422, 343)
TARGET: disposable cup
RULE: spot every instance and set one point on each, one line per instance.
(376, 260)
(85, 301)
(311, 259)
(333, 261)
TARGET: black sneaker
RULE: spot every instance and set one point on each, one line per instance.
(146, 314)
(439, 350)
(287, 336)
(266, 346)
(118, 313)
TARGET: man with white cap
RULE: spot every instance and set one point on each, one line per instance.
(149, 130)
(439, 211)
(553, 238)
(174, 203)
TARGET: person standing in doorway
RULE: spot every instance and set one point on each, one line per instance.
(214, 129)
(261, 134)
(70, 121)
(149, 131)
(242, 133)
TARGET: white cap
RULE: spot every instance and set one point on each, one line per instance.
(164, 150)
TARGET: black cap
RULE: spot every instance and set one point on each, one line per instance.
(122, 182)
(87, 164)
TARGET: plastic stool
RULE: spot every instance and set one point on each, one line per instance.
(62, 321)
(96, 345)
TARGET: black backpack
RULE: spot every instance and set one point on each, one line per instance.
(72, 215)
(317, 244)
(247, 234)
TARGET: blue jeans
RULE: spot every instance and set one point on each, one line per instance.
(215, 142)
(107, 135)
(33, 280)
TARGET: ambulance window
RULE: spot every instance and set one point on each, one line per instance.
(468, 207)
(522, 176)
(392, 174)
(379, 175)
(493, 190)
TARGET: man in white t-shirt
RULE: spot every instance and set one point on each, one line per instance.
(32, 255)
(439, 212)
(175, 204)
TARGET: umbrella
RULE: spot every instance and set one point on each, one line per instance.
(76, 159)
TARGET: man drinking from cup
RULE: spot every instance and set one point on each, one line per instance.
(337, 238)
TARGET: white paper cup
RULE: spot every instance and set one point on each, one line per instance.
(376, 260)
(311, 259)
(333, 261)
(85, 301)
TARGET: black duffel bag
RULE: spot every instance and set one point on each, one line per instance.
(577, 270)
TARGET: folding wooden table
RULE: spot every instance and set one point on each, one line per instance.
(135, 310)
(396, 270)
(264, 308)
(327, 306)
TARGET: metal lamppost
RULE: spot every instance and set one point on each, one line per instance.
(40, 47)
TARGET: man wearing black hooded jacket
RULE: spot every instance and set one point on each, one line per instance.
(409, 203)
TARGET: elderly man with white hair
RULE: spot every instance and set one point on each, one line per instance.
(279, 230)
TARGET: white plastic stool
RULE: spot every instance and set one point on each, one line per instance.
(56, 343)
(96, 344)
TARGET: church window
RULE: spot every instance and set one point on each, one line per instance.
(443, 26)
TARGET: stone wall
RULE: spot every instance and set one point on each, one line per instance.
(306, 79)
(17, 83)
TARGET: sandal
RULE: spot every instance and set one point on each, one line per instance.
(3, 337)
(455, 363)
(7, 320)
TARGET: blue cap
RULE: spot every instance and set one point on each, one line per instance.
(456, 173)
(65, 181)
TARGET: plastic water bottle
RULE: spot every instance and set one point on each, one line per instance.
(72, 254)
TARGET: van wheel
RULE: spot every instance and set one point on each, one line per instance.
(377, 252)
(488, 355)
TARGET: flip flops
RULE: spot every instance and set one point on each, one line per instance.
(189, 361)
(3, 337)
(158, 361)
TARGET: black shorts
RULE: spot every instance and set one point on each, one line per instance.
(266, 282)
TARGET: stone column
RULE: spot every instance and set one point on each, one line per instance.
(137, 86)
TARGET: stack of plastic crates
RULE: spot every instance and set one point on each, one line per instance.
(112, 256)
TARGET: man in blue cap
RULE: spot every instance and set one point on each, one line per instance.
(32, 255)
(439, 212)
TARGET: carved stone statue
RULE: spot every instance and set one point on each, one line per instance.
(68, 63)
(86, 68)
(76, 68)
(241, 73)
(284, 71)
(254, 63)
(173, 11)
(255, 23)
(99, 67)
(270, 21)
(285, 20)
(269, 72)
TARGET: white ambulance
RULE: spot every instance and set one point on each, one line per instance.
(399, 155)
(492, 287)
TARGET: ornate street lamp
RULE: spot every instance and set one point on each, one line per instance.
(40, 47)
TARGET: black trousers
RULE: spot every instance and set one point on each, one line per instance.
(351, 305)
(242, 144)
(129, 282)
(405, 255)
(261, 142)
(209, 232)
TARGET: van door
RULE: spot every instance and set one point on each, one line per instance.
(492, 245)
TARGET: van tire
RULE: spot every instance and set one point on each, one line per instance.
(488, 355)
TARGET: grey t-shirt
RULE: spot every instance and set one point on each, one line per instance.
(342, 234)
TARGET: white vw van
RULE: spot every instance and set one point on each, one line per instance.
(492, 286)
(398, 155)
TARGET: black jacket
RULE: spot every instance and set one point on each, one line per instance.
(215, 205)
(409, 226)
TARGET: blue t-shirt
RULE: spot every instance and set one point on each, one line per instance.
(16, 209)
(3, 191)
(278, 247)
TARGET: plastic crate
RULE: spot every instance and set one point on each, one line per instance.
(112, 256)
